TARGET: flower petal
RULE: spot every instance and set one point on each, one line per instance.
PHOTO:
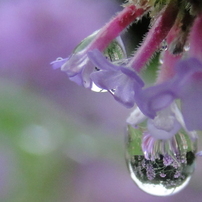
(158, 133)
(155, 98)
(125, 94)
(101, 62)
(58, 63)
(122, 82)
(107, 79)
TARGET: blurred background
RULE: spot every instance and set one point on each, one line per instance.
(58, 141)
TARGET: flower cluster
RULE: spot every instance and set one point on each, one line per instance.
(174, 102)
(178, 24)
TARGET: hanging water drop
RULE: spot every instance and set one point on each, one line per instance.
(160, 167)
(115, 52)
(85, 42)
(95, 88)
(164, 45)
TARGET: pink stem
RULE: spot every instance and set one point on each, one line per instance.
(113, 29)
(166, 70)
(156, 34)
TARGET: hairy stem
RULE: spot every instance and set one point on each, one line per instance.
(113, 29)
(155, 36)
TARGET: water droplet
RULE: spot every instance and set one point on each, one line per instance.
(165, 166)
(186, 47)
(85, 42)
(164, 45)
(115, 52)
(59, 58)
(161, 58)
(161, 61)
(95, 88)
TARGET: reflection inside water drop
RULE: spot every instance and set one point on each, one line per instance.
(114, 52)
(95, 88)
(169, 167)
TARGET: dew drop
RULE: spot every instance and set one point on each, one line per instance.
(165, 167)
(95, 88)
(161, 57)
(164, 45)
(186, 47)
(161, 61)
(115, 52)
(59, 59)
(85, 42)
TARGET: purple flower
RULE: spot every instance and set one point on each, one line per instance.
(58, 62)
(77, 67)
(186, 86)
(163, 175)
(190, 92)
(155, 98)
(177, 174)
(121, 81)
(167, 160)
(150, 172)
(164, 126)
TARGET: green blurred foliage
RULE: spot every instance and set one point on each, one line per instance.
(43, 147)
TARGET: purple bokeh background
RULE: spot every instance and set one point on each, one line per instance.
(34, 33)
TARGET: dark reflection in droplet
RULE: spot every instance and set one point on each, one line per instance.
(168, 167)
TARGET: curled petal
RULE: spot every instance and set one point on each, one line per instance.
(75, 63)
(78, 68)
(125, 94)
(82, 78)
(119, 80)
(158, 133)
(58, 63)
(107, 80)
(185, 85)
(100, 61)
(155, 98)
(186, 68)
